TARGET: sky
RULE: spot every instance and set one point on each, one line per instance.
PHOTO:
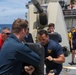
(11, 10)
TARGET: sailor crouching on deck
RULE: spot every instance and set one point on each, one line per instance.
(54, 56)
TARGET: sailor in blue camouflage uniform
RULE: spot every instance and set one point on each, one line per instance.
(14, 53)
(54, 56)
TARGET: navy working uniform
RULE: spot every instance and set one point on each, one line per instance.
(14, 54)
(74, 40)
(55, 36)
(53, 49)
(28, 38)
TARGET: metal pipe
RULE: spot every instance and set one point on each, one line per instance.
(37, 5)
(42, 15)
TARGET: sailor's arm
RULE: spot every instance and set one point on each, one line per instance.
(71, 42)
(60, 59)
(27, 55)
(60, 55)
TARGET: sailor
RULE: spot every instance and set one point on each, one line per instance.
(52, 34)
(54, 56)
(5, 32)
(14, 53)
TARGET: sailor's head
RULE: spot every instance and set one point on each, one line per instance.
(51, 27)
(5, 33)
(19, 28)
(43, 37)
(73, 29)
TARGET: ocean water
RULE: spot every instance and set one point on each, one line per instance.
(5, 25)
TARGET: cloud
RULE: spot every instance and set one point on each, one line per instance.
(9, 12)
(11, 9)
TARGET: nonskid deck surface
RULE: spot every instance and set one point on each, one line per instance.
(67, 68)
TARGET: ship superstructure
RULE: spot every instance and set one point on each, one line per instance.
(69, 10)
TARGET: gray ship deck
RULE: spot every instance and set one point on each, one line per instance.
(68, 71)
(71, 71)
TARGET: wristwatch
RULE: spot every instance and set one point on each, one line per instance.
(52, 72)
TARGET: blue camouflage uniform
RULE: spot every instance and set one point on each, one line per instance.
(14, 54)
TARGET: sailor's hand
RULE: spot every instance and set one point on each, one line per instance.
(49, 58)
(51, 74)
(71, 46)
(29, 69)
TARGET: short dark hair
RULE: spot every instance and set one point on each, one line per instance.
(27, 28)
(4, 28)
(18, 25)
(51, 25)
(41, 32)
